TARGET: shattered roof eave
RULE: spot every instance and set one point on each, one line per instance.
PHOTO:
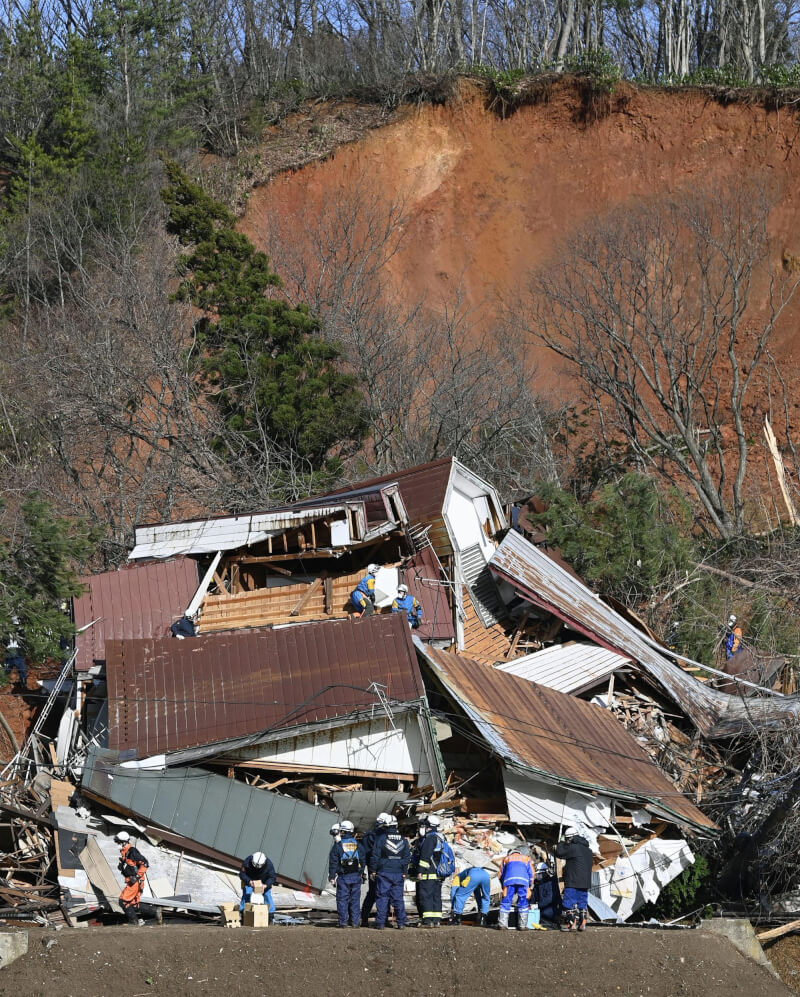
(544, 583)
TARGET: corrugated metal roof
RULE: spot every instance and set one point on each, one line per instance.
(570, 668)
(544, 583)
(202, 536)
(165, 695)
(423, 488)
(558, 737)
(421, 574)
(223, 814)
(140, 600)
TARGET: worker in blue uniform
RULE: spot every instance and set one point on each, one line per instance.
(468, 883)
(423, 869)
(516, 878)
(368, 841)
(547, 894)
(346, 866)
(406, 603)
(257, 868)
(363, 595)
(389, 862)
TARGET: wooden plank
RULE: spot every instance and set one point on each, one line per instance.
(773, 933)
(315, 586)
(522, 624)
(101, 877)
(777, 459)
(328, 584)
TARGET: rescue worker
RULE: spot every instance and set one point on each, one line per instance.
(345, 868)
(368, 841)
(184, 627)
(467, 883)
(406, 603)
(516, 878)
(546, 894)
(389, 862)
(577, 877)
(733, 638)
(133, 866)
(257, 868)
(363, 595)
(14, 657)
(423, 869)
(334, 832)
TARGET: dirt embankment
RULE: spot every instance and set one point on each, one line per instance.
(450, 962)
(488, 198)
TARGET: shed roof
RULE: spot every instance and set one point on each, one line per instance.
(424, 579)
(139, 600)
(572, 667)
(166, 695)
(558, 737)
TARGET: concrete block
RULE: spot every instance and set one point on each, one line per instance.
(13, 944)
(741, 935)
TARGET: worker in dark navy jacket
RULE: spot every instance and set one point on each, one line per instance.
(406, 603)
(389, 860)
(423, 868)
(368, 843)
(257, 868)
(346, 867)
(577, 876)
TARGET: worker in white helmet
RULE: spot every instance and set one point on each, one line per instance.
(363, 596)
(406, 603)
(382, 821)
(346, 866)
(257, 868)
(133, 866)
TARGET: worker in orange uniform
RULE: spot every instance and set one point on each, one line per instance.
(133, 866)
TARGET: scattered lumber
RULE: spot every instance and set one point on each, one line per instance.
(779, 932)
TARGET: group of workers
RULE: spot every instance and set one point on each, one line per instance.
(384, 858)
(363, 597)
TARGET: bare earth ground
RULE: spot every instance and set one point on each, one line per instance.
(288, 962)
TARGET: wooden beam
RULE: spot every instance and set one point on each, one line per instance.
(304, 556)
(773, 933)
(315, 586)
(777, 459)
(518, 634)
(328, 596)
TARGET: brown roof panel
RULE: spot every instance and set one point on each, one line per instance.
(561, 737)
(165, 695)
(140, 600)
(424, 579)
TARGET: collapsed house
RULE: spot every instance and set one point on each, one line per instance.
(523, 703)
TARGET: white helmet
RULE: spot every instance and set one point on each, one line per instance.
(433, 821)
(541, 867)
(347, 826)
(391, 821)
(259, 859)
(732, 620)
(383, 818)
(335, 828)
(373, 569)
(402, 588)
(122, 836)
(571, 831)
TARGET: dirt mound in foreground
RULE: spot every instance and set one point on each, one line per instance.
(468, 962)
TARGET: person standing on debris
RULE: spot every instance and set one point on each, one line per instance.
(345, 868)
(733, 637)
(516, 878)
(470, 882)
(389, 862)
(14, 658)
(424, 868)
(406, 603)
(577, 877)
(133, 866)
(363, 596)
(546, 894)
(368, 842)
(257, 868)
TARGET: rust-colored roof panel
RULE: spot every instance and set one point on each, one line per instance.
(572, 741)
(425, 581)
(167, 694)
(140, 600)
(423, 488)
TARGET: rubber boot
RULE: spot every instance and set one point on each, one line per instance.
(502, 920)
(522, 920)
(455, 919)
(483, 921)
(583, 919)
(570, 920)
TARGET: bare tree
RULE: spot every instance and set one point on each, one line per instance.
(665, 312)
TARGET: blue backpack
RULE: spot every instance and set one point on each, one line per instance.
(445, 859)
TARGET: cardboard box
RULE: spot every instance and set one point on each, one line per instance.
(256, 916)
(229, 915)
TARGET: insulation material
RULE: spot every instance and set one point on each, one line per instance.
(639, 877)
(532, 802)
